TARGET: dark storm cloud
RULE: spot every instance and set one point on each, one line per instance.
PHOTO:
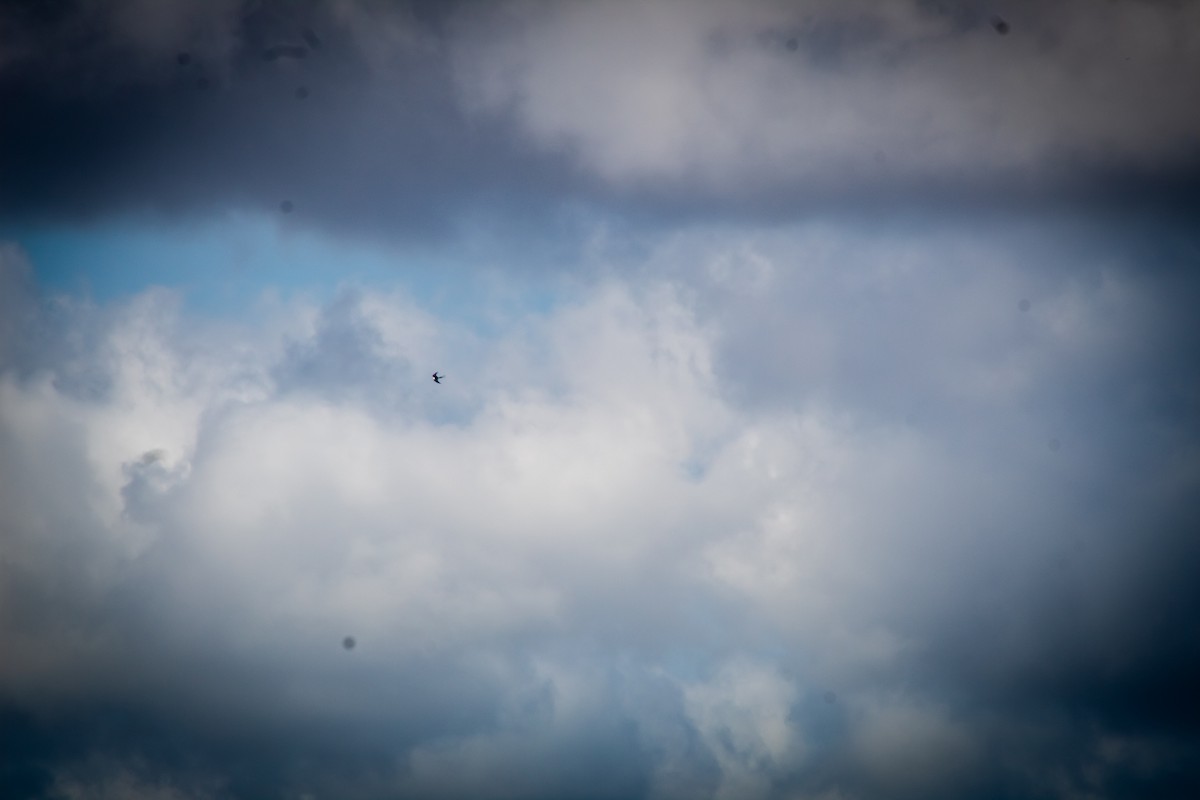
(343, 752)
(425, 116)
(98, 124)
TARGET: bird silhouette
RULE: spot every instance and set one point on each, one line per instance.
(437, 378)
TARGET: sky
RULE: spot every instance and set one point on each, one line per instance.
(820, 421)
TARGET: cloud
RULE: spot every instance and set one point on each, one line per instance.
(837, 441)
(421, 121)
(737, 98)
(191, 118)
(104, 780)
(800, 535)
(743, 714)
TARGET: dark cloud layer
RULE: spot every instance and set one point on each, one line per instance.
(418, 118)
(112, 128)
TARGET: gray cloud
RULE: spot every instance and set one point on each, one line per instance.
(722, 95)
(421, 120)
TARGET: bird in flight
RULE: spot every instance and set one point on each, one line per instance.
(437, 378)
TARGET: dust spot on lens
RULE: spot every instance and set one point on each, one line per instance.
(183, 59)
(348, 643)
(286, 206)
(792, 44)
(1023, 305)
(302, 93)
(311, 38)
(1000, 26)
(1054, 445)
(830, 696)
